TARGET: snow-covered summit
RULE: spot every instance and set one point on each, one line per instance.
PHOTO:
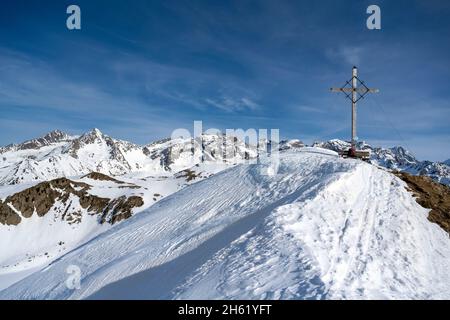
(291, 144)
(395, 158)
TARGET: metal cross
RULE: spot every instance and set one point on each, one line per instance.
(354, 90)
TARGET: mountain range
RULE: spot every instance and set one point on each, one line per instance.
(58, 154)
(126, 213)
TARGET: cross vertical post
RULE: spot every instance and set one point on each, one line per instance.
(354, 97)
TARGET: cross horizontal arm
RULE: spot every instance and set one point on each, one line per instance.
(360, 90)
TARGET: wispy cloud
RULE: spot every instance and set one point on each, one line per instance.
(311, 109)
(230, 104)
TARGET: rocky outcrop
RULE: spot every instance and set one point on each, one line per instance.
(58, 194)
(188, 175)
(8, 216)
(120, 209)
(101, 177)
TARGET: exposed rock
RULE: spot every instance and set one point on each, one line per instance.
(101, 177)
(43, 197)
(8, 216)
(188, 174)
(120, 209)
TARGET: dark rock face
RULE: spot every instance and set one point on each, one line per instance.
(188, 174)
(101, 177)
(120, 209)
(8, 216)
(166, 158)
(43, 197)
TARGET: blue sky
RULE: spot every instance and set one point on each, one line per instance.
(140, 69)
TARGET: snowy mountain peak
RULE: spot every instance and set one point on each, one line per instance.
(291, 144)
(403, 156)
(55, 136)
(96, 131)
(48, 139)
(92, 136)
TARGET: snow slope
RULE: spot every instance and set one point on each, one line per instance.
(37, 241)
(322, 227)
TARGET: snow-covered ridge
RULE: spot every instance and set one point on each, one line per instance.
(323, 227)
(396, 158)
(50, 138)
